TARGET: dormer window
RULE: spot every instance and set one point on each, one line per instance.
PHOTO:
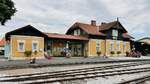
(115, 33)
(77, 32)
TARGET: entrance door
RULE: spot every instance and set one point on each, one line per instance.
(77, 50)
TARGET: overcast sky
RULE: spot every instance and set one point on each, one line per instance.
(57, 16)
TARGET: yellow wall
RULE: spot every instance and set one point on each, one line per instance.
(128, 48)
(92, 47)
(105, 47)
(15, 54)
(121, 47)
(123, 52)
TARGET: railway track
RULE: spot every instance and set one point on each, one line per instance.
(139, 80)
(83, 69)
(75, 74)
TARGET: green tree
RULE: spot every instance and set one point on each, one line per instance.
(7, 9)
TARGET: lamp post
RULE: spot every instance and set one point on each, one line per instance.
(67, 49)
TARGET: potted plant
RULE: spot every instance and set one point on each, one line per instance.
(28, 53)
(99, 53)
(112, 53)
(118, 52)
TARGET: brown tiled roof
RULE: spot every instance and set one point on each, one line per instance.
(63, 36)
(90, 29)
(2, 42)
(96, 30)
(125, 35)
(106, 26)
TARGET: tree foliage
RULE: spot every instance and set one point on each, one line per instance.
(7, 9)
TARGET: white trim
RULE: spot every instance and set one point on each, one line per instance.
(98, 42)
(77, 32)
(111, 48)
(118, 47)
(115, 33)
(20, 41)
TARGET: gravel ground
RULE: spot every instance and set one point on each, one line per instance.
(52, 68)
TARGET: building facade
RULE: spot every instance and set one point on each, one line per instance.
(142, 45)
(107, 39)
(24, 40)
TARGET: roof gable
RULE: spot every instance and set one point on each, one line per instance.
(26, 30)
(96, 30)
(115, 25)
(89, 29)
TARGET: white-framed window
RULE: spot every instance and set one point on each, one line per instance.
(111, 46)
(118, 45)
(21, 45)
(98, 45)
(35, 46)
(115, 33)
(77, 32)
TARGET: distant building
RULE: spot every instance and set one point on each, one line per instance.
(80, 40)
(142, 45)
(145, 40)
(2, 44)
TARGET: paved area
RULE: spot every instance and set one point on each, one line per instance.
(57, 61)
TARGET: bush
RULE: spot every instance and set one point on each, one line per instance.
(112, 52)
(99, 53)
(118, 52)
(28, 53)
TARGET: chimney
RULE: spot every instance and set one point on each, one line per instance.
(103, 23)
(93, 22)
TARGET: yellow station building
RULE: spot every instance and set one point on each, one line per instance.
(81, 39)
(106, 39)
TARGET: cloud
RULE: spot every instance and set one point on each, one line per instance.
(59, 15)
(134, 14)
